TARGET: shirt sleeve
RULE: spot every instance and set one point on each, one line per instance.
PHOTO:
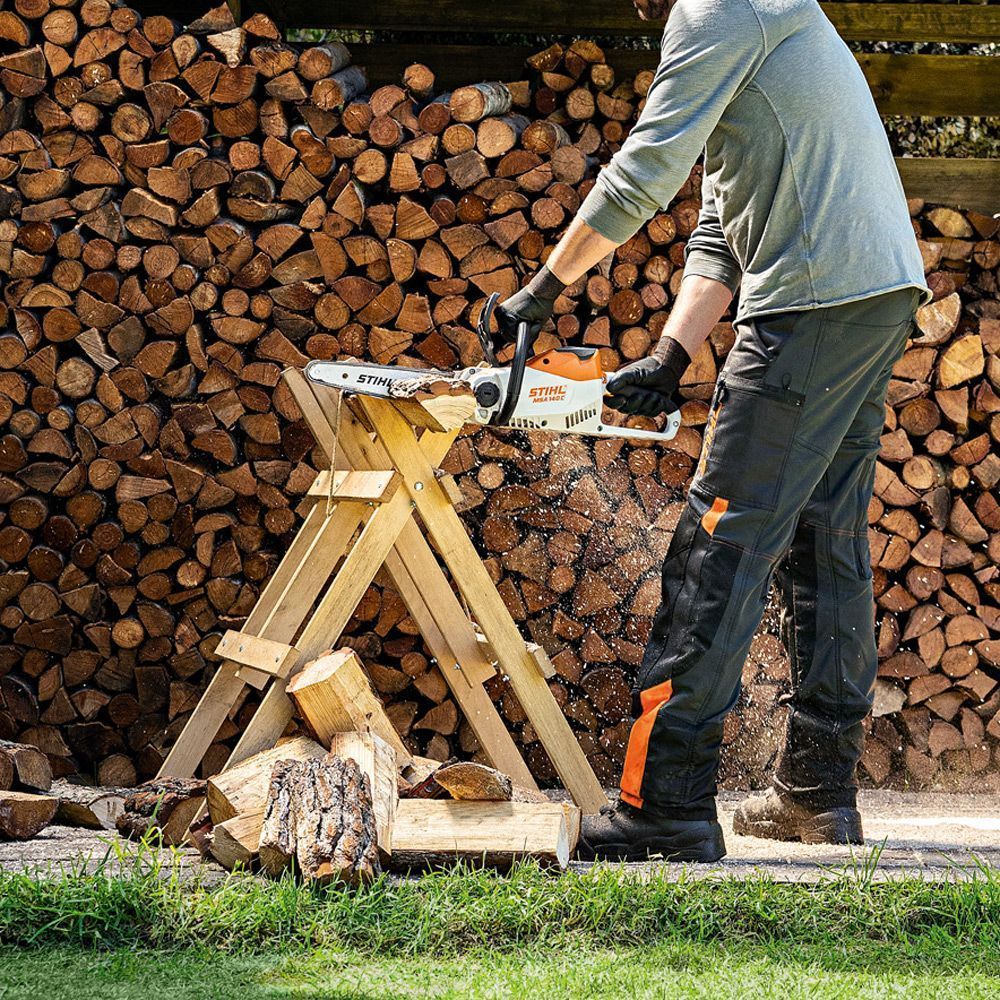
(707, 252)
(710, 49)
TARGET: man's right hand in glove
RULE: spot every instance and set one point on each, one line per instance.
(645, 388)
(533, 304)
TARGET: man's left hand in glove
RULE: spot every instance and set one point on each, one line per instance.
(645, 387)
(533, 304)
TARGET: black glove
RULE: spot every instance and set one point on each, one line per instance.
(645, 387)
(533, 304)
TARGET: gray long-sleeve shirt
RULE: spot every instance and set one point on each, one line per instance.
(802, 201)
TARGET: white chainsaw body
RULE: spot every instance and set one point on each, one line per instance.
(546, 400)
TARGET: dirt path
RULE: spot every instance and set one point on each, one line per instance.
(935, 835)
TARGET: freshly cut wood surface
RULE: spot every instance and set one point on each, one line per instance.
(334, 695)
(436, 831)
(242, 788)
(235, 841)
(440, 404)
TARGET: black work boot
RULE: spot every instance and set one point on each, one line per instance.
(779, 817)
(621, 832)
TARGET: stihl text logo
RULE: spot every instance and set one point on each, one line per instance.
(374, 380)
(547, 393)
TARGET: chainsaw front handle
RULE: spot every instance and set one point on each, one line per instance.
(522, 347)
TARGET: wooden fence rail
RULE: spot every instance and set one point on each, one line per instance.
(877, 21)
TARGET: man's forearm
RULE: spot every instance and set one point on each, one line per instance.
(699, 306)
(580, 249)
(700, 302)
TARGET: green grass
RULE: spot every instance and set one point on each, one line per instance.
(670, 969)
(603, 933)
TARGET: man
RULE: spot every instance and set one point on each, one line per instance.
(803, 208)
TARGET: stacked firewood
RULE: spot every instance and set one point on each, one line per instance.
(340, 815)
(186, 211)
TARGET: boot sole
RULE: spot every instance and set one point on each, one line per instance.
(705, 844)
(836, 826)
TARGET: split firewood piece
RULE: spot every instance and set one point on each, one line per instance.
(23, 815)
(472, 781)
(276, 847)
(377, 760)
(319, 814)
(416, 780)
(30, 767)
(334, 695)
(438, 832)
(167, 804)
(87, 806)
(234, 842)
(242, 789)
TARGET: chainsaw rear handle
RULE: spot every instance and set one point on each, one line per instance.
(522, 345)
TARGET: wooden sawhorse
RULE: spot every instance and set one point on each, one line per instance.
(361, 520)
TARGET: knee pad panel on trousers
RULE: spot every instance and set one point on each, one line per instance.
(700, 574)
(818, 762)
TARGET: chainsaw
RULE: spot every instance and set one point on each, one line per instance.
(561, 389)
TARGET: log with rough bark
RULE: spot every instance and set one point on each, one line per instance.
(167, 805)
(319, 817)
(96, 808)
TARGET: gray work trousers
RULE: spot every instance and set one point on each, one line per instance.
(781, 491)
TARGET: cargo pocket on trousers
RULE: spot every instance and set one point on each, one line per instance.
(747, 441)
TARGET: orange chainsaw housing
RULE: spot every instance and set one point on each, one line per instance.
(567, 364)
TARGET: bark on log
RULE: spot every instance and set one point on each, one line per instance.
(319, 815)
(168, 805)
(92, 807)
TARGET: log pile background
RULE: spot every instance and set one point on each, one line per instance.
(184, 212)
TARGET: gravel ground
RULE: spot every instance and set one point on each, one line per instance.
(930, 834)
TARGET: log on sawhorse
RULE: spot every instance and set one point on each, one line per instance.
(361, 519)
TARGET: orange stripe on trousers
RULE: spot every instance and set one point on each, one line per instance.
(711, 518)
(652, 700)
